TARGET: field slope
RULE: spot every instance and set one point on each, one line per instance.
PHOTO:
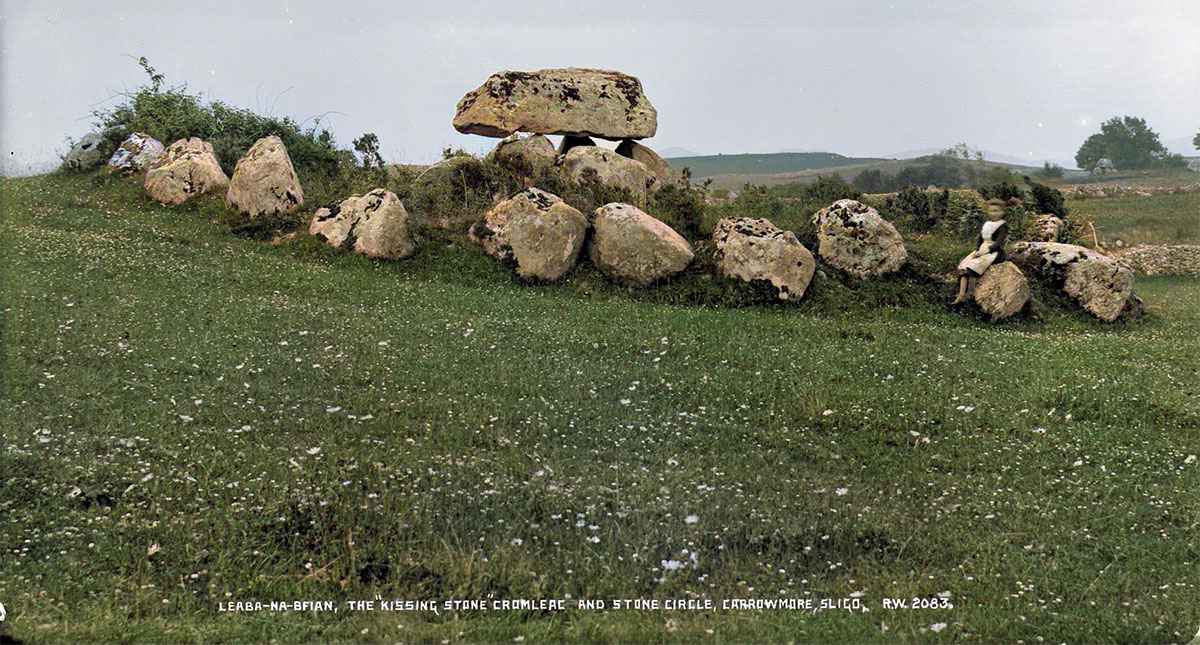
(192, 418)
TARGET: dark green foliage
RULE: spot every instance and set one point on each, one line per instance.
(1051, 170)
(169, 114)
(679, 207)
(942, 170)
(1000, 184)
(1128, 142)
(367, 147)
(872, 180)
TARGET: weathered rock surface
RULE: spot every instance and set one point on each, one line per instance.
(610, 168)
(632, 247)
(85, 154)
(1002, 291)
(660, 170)
(854, 238)
(1167, 259)
(187, 168)
(377, 221)
(571, 100)
(755, 249)
(138, 152)
(264, 181)
(532, 149)
(537, 229)
(1100, 284)
(1049, 227)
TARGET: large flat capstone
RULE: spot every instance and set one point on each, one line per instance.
(569, 101)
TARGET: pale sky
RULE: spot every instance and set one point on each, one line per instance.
(1020, 77)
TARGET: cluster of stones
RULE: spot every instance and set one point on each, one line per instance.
(1165, 259)
(579, 104)
(544, 236)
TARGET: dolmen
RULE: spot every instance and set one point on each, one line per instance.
(579, 104)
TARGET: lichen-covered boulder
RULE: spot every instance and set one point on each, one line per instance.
(538, 230)
(264, 181)
(609, 168)
(660, 171)
(376, 221)
(854, 238)
(1049, 228)
(632, 247)
(138, 152)
(1101, 285)
(85, 154)
(188, 167)
(569, 101)
(531, 149)
(1002, 291)
(755, 249)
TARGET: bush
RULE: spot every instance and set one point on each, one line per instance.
(169, 114)
(1051, 171)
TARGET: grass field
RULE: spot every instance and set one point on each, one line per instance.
(192, 418)
(1138, 219)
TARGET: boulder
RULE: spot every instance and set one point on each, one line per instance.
(264, 181)
(529, 148)
(1049, 227)
(138, 152)
(755, 249)
(572, 100)
(377, 222)
(538, 230)
(1101, 285)
(188, 167)
(1002, 291)
(632, 247)
(661, 172)
(854, 238)
(85, 154)
(611, 169)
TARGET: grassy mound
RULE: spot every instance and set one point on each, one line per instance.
(193, 418)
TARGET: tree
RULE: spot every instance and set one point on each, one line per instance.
(1127, 141)
(1196, 141)
(367, 147)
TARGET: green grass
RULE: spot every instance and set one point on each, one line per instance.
(283, 422)
(1137, 219)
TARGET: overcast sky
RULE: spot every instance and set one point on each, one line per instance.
(1028, 78)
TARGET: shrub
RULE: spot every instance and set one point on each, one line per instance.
(1051, 170)
(172, 113)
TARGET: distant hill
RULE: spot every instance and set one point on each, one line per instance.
(676, 151)
(762, 164)
(849, 169)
